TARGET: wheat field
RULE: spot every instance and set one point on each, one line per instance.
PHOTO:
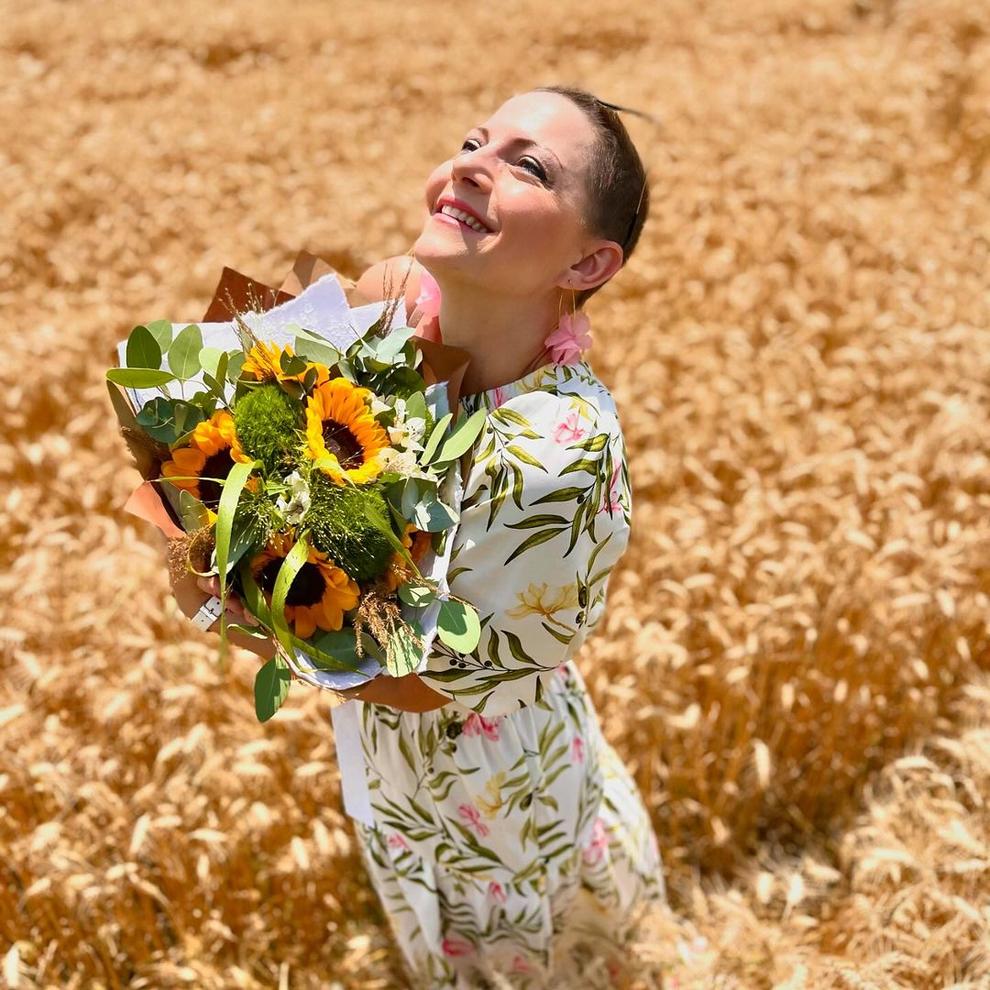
(795, 661)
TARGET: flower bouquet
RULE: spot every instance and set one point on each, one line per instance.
(306, 453)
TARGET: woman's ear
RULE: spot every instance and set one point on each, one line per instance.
(595, 268)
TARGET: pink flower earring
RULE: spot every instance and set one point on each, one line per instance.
(570, 339)
(428, 299)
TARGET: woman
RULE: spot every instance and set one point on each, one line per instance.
(509, 842)
(508, 836)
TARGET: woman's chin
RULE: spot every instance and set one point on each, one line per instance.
(432, 246)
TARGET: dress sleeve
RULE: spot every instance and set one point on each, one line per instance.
(544, 518)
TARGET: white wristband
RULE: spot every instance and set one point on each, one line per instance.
(208, 613)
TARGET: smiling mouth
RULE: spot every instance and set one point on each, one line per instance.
(450, 213)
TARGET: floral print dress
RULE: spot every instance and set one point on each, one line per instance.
(509, 842)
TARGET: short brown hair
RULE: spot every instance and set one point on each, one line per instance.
(618, 193)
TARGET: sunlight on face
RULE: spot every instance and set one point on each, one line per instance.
(522, 173)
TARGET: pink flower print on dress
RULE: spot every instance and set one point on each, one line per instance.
(428, 299)
(397, 841)
(595, 849)
(568, 431)
(519, 965)
(472, 816)
(577, 749)
(610, 502)
(452, 945)
(572, 336)
(500, 395)
(497, 892)
(477, 725)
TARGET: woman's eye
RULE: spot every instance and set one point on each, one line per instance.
(466, 143)
(538, 171)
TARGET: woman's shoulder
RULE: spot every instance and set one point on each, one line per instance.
(570, 393)
(384, 277)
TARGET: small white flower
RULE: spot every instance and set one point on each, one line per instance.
(297, 504)
(417, 428)
(378, 407)
(401, 462)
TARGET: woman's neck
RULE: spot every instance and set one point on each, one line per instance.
(503, 334)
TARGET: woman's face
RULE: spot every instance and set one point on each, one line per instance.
(522, 172)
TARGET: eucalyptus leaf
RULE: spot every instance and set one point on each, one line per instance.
(416, 406)
(390, 346)
(413, 492)
(234, 365)
(215, 387)
(157, 419)
(183, 355)
(433, 516)
(139, 377)
(340, 648)
(458, 626)
(291, 364)
(316, 349)
(142, 349)
(161, 330)
(415, 594)
(209, 358)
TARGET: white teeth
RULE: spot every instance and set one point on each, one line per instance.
(452, 211)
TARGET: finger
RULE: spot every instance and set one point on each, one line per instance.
(208, 585)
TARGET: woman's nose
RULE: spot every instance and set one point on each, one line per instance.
(472, 167)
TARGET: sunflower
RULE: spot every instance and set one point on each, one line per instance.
(264, 363)
(320, 593)
(343, 438)
(212, 451)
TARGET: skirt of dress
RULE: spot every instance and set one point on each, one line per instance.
(510, 851)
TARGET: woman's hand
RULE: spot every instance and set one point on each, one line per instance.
(235, 607)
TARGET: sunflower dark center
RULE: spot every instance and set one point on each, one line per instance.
(307, 588)
(217, 465)
(342, 444)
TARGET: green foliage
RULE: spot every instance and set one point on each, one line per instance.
(183, 354)
(350, 525)
(266, 420)
(271, 687)
(169, 419)
(258, 514)
(458, 625)
(143, 350)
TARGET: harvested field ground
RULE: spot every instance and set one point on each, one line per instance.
(796, 657)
